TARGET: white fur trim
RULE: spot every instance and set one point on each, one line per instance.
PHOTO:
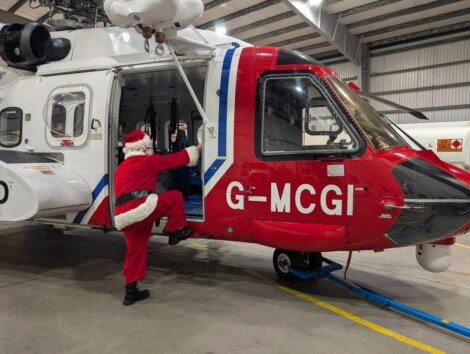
(138, 145)
(193, 153)
(134, 153)
(140, 213)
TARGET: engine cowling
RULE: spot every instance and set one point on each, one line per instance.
(25, 46)
(434, 258)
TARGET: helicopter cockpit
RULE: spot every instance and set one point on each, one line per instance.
(300, 117)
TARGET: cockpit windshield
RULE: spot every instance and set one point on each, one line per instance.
(377, 129)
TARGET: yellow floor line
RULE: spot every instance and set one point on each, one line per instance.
(350, 316)
(463, 246)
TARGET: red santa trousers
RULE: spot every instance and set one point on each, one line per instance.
(171, 205)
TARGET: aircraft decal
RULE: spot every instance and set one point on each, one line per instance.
(224, 88)
(333, 201)
(6, 192)
(102, 184)
(224, 121)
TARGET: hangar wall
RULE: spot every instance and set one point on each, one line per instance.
(432, 75)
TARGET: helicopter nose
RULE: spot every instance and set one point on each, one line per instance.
(436, 204)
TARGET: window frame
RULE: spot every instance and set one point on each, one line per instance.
(78, 141)
(307, 155)
(21, 127)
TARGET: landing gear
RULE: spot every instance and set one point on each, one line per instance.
(283, 260)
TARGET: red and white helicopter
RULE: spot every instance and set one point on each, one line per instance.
(293, 157)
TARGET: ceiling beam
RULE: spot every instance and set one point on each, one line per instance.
(8, 17)
(421, 35)
(333, 31)
(378, 19)
(280, 31)
(423, 21)
(395, 42)
(262, 23)
(366, 7)
(289, 14)
(215, 3)
(17, 5)
(244, 12)
(404, 12)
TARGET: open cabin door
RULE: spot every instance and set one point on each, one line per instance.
(157, 101)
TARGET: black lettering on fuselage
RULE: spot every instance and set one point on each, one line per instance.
(5, 188)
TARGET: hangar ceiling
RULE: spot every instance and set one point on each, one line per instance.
(377, 24)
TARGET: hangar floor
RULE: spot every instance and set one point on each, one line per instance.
(62, 294)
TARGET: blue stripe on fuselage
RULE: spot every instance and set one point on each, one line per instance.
(223, 108)
(96, 192)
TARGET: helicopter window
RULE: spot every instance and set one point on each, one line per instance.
(67, 117)
(378, 131)
(11, 121)
(58, 120)
(298, 117)
(78, 120)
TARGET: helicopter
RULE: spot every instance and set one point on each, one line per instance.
(293, 157)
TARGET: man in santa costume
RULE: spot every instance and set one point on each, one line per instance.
(137, 207)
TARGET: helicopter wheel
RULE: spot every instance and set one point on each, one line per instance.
(283, 260)
(315, 260)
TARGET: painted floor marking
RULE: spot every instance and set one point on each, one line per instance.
(375, 327)
(463, 246)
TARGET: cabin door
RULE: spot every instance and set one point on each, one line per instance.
(76, 117)
(158, 103)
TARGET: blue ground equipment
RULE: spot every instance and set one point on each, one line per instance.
(380, 300)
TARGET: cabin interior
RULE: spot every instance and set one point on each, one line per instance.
(160, 104)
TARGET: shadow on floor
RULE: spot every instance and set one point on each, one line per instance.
(91, 258)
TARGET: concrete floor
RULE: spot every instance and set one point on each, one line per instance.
(62, 294)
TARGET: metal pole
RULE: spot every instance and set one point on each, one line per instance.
(210, 126)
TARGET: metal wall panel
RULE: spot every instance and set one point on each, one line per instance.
(345, 70)
(435, 116)
(448, 75)
(425, 70)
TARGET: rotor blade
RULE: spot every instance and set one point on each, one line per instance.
(411, 111)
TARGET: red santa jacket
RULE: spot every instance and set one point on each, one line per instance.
(140, 172)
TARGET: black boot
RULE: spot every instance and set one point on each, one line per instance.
(133, 294)
(177, 236)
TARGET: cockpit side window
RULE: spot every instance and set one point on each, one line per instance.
(11, 122)
(297, 116)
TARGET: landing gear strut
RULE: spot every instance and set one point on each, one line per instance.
(283, 260)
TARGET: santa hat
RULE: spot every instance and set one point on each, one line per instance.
(135, 143)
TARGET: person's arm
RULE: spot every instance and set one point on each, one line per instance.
(186, 157)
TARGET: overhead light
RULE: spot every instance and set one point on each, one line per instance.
(313, 3)
(220, 29)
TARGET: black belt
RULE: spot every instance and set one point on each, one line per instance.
(131, 196)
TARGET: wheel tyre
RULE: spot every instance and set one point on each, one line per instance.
(315, 260)
(286, 258)
(298, 260)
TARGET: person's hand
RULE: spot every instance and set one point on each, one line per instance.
(173, 138)
(199, 148)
